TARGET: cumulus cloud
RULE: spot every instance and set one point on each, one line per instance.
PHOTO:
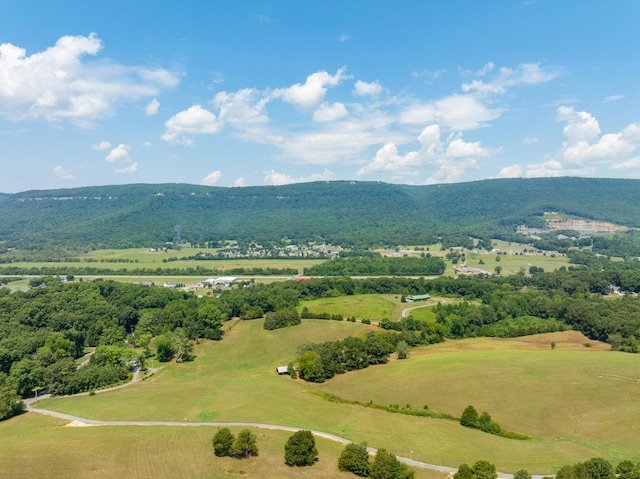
(244, 106)
(313, 90)
(450, 157)
(330, 112)
(457, 112)
(152, 107)
(367, 89)
(530, 139)
(584, 143)
(276, 178)
(239, 182)
(553, 168)
(59, 83)
(321, 130)
(193, 121)
(120, 154)
(212, 178)
(60, 172)
(132, 168)
(513, 171)
(103, 145)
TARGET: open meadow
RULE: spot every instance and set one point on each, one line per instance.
(374, 307)
(33, 445)
(576, 402)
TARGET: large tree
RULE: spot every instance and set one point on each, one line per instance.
(355, 459)
(387, 466)
(245, 444)
(223, 442)
(484, 470)
(300, 449)
(469, 417)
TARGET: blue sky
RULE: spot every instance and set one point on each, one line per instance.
(242, 93)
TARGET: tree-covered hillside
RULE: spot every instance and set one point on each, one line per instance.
(338, 212)
(4, 196)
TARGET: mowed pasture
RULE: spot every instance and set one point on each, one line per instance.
(33, 445)
(371, 306)
(576, 402)
(374, 307)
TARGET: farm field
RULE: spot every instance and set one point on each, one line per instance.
(373, 306)
(134, 258)
(576, 402)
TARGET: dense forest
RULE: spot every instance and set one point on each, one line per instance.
(340, 212)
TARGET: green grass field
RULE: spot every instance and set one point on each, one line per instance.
(141, 258)
(371, 306)
(33, 445)
(575, 402)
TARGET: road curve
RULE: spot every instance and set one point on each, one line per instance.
(326, 435)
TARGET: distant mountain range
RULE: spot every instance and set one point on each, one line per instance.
(4, 196)
(342, 212)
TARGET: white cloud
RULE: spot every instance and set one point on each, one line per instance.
(193, 121)
(525, 74)
(628, 164)
(103, 145)
(325, 131)
(530, 139)
(553, 168)
(584, 144)
(276, 178)
(581, 126)
(611, 98)
(367, 89)
(152, 107)
(132, 168)
(513, 171)
(457, 112)
(147, 144)
(429, 75)
(239, 182)
(344, 37)
(60, 172)
(120, 154)
(313, 90)
(451, 157)
(488, 67)
(244, 106)
(212, 178)
(59, 83)
(330, 112)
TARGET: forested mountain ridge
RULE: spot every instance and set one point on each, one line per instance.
(4, 196)
(341, 212)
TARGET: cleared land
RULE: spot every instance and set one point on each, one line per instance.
(374, 307)
(576, 402)
(148, 453)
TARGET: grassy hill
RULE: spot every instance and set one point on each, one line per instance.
(575, 402)
(339, 212)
